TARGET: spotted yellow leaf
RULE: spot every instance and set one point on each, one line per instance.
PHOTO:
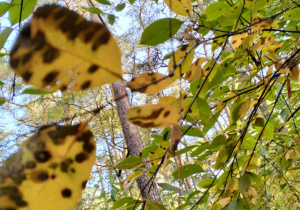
(177, 103)
(176, 58)
(195, 72)
(60, 50)
(50, 170)
(261, 23)
(153, 115)
(149, 82)
(268, 43)
(180, 7)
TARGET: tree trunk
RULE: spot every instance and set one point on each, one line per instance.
(131, 133)
(133, 139)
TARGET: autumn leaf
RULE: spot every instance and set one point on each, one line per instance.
(50, 170)
(60, 50)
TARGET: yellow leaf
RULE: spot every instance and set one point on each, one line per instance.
(175, 59)
(175, 138)
(50, 170)
(195, 72)
(60, 50)
(189, 36)
(251, 192)
(153, 115)
(253, 164)
(180, 7)
(174, 102)
(261, 23)
(268, 43)
(237, 40)
(149, 80)
(294, 75)
(220, 106)
(224, 201)
(232, 187)
(244, 108)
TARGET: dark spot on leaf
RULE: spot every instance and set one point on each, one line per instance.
(234, 41)
(166, 114)
(50, 55)
(63, 88)
(45, 10)
(88, 147)
(80, 157)
(30, 164)
(184, 47)
(88, 36)
(17, 199)
(103, 39)
(53, 176)
(85, 85)
(14, 63)
(26, 58)
(83, 184)
(38, 41)
(50, 77)
(59, 14)
(66, 193)
(43, 176)
(77, 29)
(73, 170)
(8, 190)
(93, 68)
(67, 24)
(42, 156)
(26, 32)
(85, 137)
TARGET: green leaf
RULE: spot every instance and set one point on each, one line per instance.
(244, 182)
(111, 19)
(206, 183)
(131, 1)
(187, 170)
(192, 131)
(4, 7)
(215, 10)
(1, 84)
(160, 31)
(204, 110)
(4, 35)
(292, 14)
(34, 91)
(120, 7)
(93, 10)
(2, 101)
(105, 2)
(121, 202)
(168, 187)
(129, 162)
(212, 120)
(232, 205)
(153, 205)
(200, 149)
(14, 10)
(218, 141)
(185, 149)
(145, 152)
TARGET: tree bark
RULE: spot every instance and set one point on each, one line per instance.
(131, 133)
(133, 139)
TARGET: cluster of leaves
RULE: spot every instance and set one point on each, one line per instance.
(249, 75)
